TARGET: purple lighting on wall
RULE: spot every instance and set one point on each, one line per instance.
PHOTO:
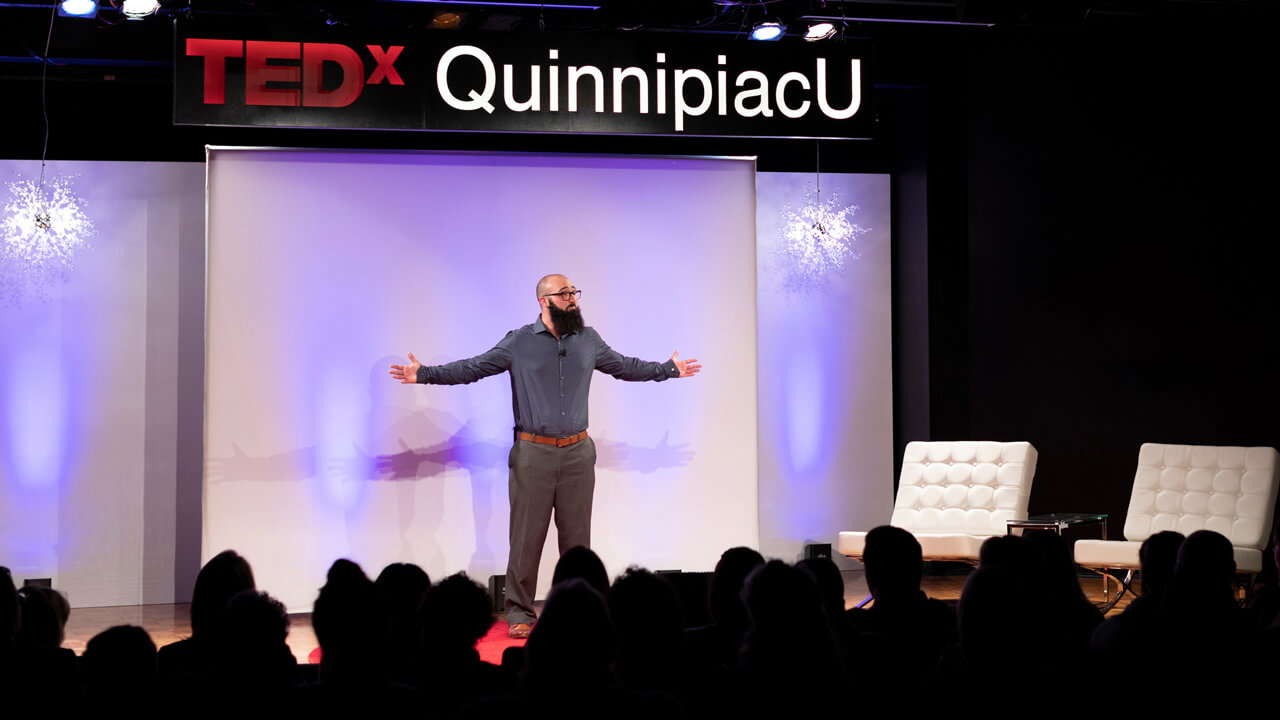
(806, 416)
(36, 399)
(35, 394)
(823, 329)
(39, 441)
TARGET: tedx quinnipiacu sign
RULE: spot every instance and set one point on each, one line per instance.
(509, 82)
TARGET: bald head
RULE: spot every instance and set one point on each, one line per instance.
(552, 283)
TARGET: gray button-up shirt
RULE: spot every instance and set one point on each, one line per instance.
(550, 378)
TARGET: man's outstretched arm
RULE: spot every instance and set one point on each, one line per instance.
(459, 372)
(622, 367)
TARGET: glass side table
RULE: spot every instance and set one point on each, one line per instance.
(1058, 522)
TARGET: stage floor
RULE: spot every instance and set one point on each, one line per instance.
(170, 623)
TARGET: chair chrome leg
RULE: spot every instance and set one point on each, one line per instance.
(1125, 584)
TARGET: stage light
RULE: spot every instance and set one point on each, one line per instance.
(139, 9)
(78, 8)
(768, 30)
(448, 20)
(819, 31)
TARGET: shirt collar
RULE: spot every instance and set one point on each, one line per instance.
(540, 327)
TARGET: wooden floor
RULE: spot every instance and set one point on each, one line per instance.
(170, 623)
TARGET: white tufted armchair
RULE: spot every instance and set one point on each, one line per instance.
(954, 495)
(1230, 490)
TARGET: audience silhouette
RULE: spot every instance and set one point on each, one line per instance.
(789, 643)
(780, 638)
(119, 663)
(1134, 634)
(583, 563)
(189, 663)
(900, 636)
(650, 630)
(10, 624)
(401, 587)
(251, 652)
(46, 666)
(570, 655)
(455, 614)
(713, 649)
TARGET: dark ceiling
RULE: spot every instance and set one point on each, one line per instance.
(115, 75)
(112, 40)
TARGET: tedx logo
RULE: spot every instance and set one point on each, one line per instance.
(268, 83)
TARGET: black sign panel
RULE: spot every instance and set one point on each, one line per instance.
(620, 83)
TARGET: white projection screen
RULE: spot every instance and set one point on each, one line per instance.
(325, 266)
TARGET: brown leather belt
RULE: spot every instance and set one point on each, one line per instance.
(558, 442)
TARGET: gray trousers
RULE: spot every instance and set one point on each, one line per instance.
(543, 479)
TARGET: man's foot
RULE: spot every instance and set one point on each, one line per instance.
(519, 631)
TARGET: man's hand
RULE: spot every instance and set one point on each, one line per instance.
(687, 368)
(406, 374)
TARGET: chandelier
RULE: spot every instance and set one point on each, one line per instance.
(818, 237)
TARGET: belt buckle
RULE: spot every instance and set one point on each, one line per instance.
(565, 442)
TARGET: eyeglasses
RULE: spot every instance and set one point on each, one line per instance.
(567, 295)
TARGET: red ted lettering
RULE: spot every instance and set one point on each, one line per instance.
(257, 73)
(314, 56)
(263, 77)
(215, 54)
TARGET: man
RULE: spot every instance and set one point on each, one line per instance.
(552, 461)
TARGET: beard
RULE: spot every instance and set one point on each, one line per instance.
(566, 322)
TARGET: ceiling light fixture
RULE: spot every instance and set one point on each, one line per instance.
(448, 19)
(767, 30)
(78, 8)
(139, 9)
(820, 30)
